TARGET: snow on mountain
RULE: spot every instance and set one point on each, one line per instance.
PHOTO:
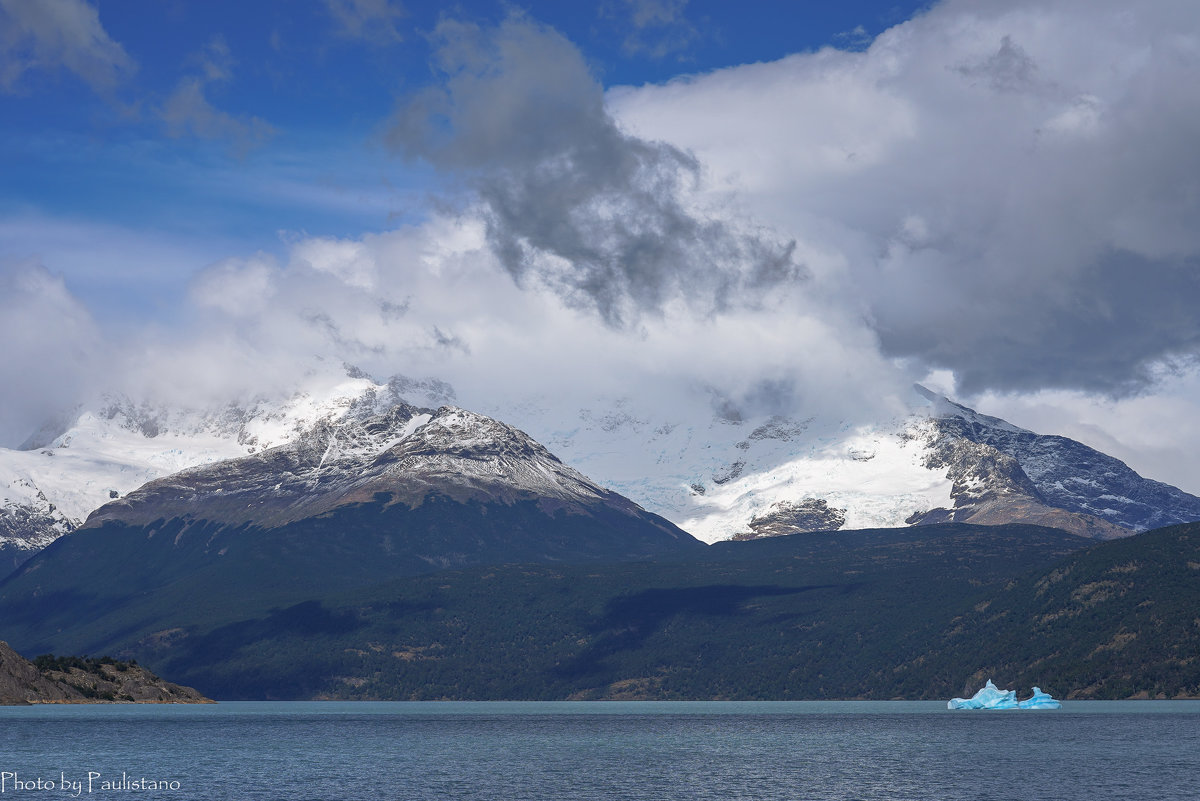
(706, 466)
(720, 474)
(65, 471)
(403, 452)
(712, 475)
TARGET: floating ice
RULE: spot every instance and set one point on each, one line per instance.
(1040, 700)
(992, 697)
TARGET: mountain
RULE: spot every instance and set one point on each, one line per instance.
(1056, 472)
(437, 488)
(915, 612)
(74, 465)
(716, 470)
(723, 473)
(374, 497)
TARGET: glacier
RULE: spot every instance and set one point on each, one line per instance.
(992, 697)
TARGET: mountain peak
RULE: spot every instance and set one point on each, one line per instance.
(941, 406)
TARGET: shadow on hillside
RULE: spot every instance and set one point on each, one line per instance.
(629, 620)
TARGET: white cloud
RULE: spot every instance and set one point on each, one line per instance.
(1046, 149)
(999, 197)
(50, 350)
(238, 287)
(349, 261)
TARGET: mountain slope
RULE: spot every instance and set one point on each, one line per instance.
(1112, 621)
(1069, 475)
(809, 616)
(405, 492)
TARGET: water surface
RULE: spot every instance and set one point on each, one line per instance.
(559, 751)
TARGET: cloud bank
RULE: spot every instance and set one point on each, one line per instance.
(1009, 190)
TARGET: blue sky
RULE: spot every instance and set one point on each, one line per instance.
(803, 205)
(296, 95)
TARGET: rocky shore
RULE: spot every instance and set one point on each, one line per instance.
(76, 680)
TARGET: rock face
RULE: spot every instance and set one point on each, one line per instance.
(27, 527)
(1003, 473)
(1073, 477)
(808, 515)
(85, 681)
(990, 487)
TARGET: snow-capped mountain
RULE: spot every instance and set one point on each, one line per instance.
(370, 498)
(725, 475)
(712, 470)
(401, 455)
(71, 467)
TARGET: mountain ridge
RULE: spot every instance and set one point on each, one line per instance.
(719, 474)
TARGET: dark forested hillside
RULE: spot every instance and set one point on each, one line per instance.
(809, 616)
(926, 612)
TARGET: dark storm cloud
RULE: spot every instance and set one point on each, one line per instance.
(571, 199)
(1111, 332)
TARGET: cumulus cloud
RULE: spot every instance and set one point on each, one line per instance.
(1008, 191)
(188, 111)
(570, 199)
(350, 261)
(66, 34)
(439, 303)
(238, 287)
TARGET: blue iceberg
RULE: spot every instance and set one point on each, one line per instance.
(1040, 700)
(992, 697)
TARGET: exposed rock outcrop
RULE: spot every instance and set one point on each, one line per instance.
(72, 680)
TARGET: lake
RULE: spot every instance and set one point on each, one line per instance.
(1089, 750)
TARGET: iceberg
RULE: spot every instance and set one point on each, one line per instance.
(1040, 700)
(992, 697)
(989, 697)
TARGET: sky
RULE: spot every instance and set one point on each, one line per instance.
(795, 208)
